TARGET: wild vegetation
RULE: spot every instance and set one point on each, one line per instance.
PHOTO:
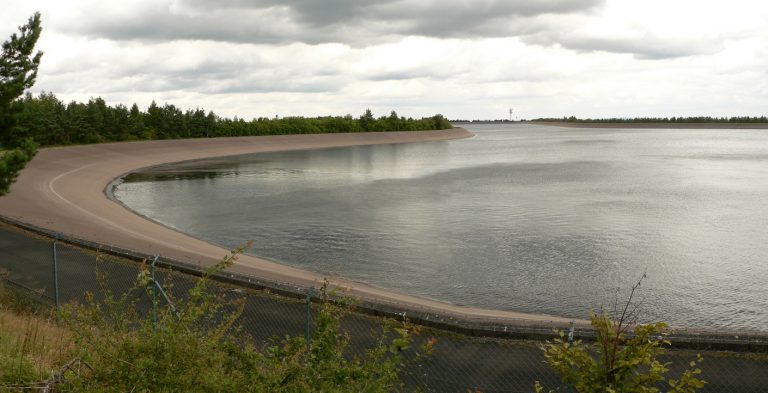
(194, 342)
(624, 357)
(32, 342)
(110, 343)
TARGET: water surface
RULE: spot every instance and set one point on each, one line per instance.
(525, 218)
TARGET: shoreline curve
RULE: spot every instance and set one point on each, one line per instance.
(65, 190)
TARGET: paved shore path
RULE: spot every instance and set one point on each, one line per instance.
(63, 190)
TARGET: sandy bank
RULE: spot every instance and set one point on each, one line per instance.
(62, 190)
(727, 126)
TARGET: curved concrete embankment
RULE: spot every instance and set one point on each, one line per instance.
(62, 190)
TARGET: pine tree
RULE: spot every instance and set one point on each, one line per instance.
(18, 71)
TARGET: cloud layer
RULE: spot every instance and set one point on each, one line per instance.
(466, 59)
(356, 23)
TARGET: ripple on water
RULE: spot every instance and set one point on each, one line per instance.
(523, 218)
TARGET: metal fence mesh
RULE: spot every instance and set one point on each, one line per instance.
(459, 364)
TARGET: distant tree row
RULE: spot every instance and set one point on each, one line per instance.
(694, 119)
(484, 121)
(49, 121)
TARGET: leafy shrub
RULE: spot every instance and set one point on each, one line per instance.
(196, 344)
(624, 357)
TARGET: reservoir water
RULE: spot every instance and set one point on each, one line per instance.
(521, 217)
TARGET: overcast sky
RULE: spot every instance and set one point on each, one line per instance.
(462, 58)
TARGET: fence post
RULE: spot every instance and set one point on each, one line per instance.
(308, 318)
(570, 341)
(55, 272)
(154, 292)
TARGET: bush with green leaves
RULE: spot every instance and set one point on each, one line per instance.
(13, 161)
(197, 345)
(625, 357)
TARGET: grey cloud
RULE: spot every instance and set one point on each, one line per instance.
(458, 13)
(162, 25)
(275, 86)
(466, 12)
(492, 26)
(312, 12)
(398, 75)
(206, 70)
(256, 81)
(645, 47)
(164, 82)
(361, 23)
(353, 22)
(210, 76)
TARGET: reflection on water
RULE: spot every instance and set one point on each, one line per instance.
(526, 218)
(175, 175)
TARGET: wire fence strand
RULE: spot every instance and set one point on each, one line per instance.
(47, 269)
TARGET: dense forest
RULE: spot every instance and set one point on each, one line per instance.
(49, 121)
(695, 119)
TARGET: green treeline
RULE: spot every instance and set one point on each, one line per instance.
(49, 121)
(694, 119)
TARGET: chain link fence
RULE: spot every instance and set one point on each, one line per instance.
(56, 272)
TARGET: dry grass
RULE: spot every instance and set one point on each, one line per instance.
(32, 344)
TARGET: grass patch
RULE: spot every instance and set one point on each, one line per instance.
(32, 344)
